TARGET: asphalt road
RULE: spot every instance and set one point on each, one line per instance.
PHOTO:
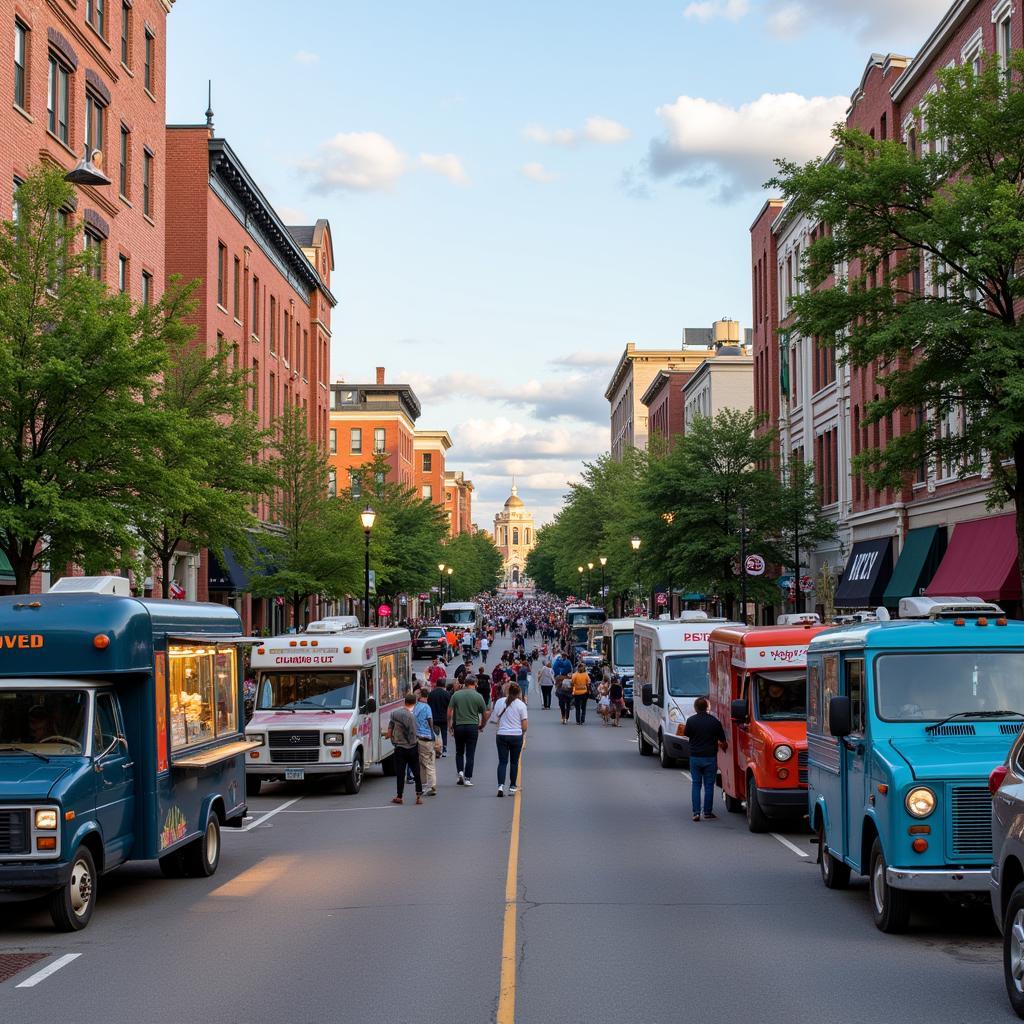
(334, 908)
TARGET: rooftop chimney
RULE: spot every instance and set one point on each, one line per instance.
(380, 374)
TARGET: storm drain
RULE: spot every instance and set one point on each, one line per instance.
(13, 963)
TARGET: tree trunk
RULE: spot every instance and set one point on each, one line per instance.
(1018, 500)
(165, 573)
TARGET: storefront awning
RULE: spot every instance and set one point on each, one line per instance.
(919, 560)
(226, 574)
(6, 572)
(866, 575)
(981, 561)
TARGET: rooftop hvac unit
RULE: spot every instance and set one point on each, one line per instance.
(116, 586)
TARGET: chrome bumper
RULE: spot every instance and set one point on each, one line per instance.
(939, 880)
(268, 770)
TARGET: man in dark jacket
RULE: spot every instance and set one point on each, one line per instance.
(706, 737)
(438, 699)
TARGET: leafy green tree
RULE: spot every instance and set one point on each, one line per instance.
(76, 365)
(934, 242)
(477, 562)
(803, 523)
(540, 562)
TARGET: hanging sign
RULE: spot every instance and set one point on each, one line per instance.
(754, 565)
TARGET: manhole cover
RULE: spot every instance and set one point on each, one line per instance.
(12, 963)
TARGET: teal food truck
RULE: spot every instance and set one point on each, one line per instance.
(121, 738)
(905, 721)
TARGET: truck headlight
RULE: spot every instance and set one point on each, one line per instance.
(673, 714)
(783, 752)
(46, 820)
(334, 739)
(920, 802)
(256, 737)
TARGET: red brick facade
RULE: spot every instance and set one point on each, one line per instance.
(665, 404)
(765, 313)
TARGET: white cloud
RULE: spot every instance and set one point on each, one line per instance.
(733, 148)
(538, 172)
(510, 440)
(355, 162)
(306, 57)
(587, 360)
(707, 10)
(602, 130)
(448, 165)
(871, 21)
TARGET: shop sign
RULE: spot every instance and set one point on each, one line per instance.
(787, 581)
(661, 599)
(755, 565)
(384, 609)
(806, 584)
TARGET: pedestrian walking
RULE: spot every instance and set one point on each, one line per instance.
(580, 693)
(617, 696)
(563, 691)
(438, 698)
(426, 741)
(436, 672)
(706, 737)
(467, 716)
(523, 679)
(510, 717)
(485, 646)
(546, 681)
(402, 733)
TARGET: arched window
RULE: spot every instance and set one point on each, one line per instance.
(526, 536)
(515, 536)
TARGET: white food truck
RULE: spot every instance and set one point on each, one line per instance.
(670, 673)
(323, 703)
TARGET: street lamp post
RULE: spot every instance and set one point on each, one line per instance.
(368, 517)
(579, 569)
(743, 563)
(450, 571)
(590, 589)
(604, 562)
(634, 543)
(440, 589)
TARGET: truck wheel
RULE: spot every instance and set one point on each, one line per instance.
(890, 907)
(387, 766)
(641, 744)
(757, 820)
(252, 785)
(733, 804)
(202, 855)
(834, 873)
(353, 781)
(72, 904)
(1013, 949)
(663, 758)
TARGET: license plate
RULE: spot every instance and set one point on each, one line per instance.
(294, 774)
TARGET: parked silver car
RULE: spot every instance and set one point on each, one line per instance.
(1007, 786)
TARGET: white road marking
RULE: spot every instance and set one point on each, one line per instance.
(788, 845)
(338, 810)
(262, 818)
(687, 774)
(42, 975)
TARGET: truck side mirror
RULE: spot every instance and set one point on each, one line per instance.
(369, 707)
(840, 717)
(646, 695)
(740, 711)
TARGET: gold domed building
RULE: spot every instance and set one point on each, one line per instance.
(515, 537)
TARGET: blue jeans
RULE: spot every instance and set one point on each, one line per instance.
(703, 770)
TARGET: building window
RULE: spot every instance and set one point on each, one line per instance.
(147, 288)
(57, 95)
(272, 397)
(122, 273)
(333, 441)
(355, 485)
(1004, 39)
(126, 32)
(427, 461)
(515, 535)
(273, 324)
(21, 65)
(95, 14)
(147, 72)
(93, 245)
(222, 271)
(123, 182)
(236, 293)
(286, 335)
(147, 183)
(93, 122)
(332, 482)
(355, 439)
(256, 387)
(378, 441)
(255, 328)
(428, 492)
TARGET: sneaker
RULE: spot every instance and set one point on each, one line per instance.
(696, 817)
(444, 753)
(419, 798)
(433, 791)
(396, 800)
(501, 791)
(511, 790)
(468, 782)
(709, 816)
(462, 780)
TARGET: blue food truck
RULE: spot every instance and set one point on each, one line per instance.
(121, 738)
(905, 721)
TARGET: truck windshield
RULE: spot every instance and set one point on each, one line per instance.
(43, 721)
(687, 675)
(335, 690)
(622, 654)
(781, 696)
(925, 686)
(460, 617)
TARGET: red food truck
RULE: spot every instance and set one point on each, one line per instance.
(759, 692)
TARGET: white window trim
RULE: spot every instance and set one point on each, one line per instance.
(972, 47)
(1002, 10)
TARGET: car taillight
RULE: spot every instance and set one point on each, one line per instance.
(995, 780)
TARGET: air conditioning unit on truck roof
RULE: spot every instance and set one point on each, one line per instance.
(116, 586)
(946, 607)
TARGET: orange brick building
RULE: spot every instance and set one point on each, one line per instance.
(458, 502)
(367, 420)
(429, 450)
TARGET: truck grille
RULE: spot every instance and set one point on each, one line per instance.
(972, 821)
(298, 756)
(14, 833)
(294, 739)
(801, 764)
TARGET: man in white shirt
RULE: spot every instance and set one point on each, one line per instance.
(485, 646)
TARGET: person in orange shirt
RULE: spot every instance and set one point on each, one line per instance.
(453, 642)
(580, 693)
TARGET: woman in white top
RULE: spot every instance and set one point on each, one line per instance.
(509, 715)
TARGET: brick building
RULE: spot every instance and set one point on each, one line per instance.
(908, 534)
(264, 295)
(367, 420)
(430, 448)
(665, 404)
(92, 74)
(458, 502)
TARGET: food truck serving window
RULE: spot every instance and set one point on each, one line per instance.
(203, 687)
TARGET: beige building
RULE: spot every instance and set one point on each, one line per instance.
(724, 381)
(514, 537)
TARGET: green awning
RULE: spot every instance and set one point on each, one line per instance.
(6, 572)
(923, 549)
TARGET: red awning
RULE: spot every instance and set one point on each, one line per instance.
(981, 561)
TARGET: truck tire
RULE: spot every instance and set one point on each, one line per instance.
(202, 855)
(353, 781)
(71, 906)
(1013, 949)
(757, 820)
(834, 873)
(663, 758)
(252, 785)
(890, 907)
(641, 744)
(733, 804)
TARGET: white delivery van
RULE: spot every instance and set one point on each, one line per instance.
(670, 673)
(462, 616)
(323, 703)
(617, 651)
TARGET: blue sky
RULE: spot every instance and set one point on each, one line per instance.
(517, 190)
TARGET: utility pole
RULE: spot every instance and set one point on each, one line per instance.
(743, 563)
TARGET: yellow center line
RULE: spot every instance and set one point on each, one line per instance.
(507, 985)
